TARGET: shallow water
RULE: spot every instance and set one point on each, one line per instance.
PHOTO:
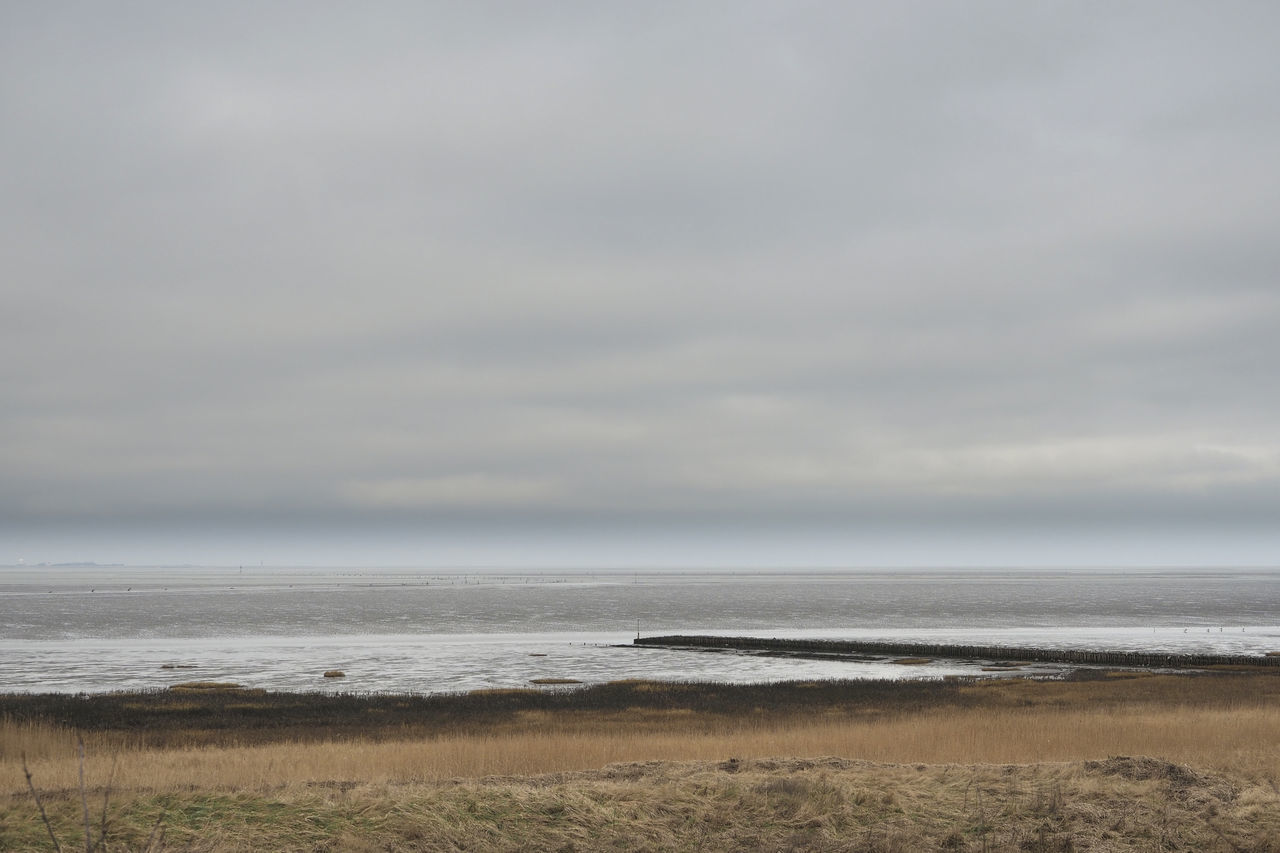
(100, 629)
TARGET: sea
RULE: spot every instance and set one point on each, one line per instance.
(94, 629)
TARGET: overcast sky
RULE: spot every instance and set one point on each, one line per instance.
(624, 283)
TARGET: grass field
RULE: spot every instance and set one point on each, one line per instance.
(997, 765)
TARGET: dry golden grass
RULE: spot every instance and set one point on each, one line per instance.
(1011, 765)
(1238, 740)
(1131, 804)
(36, 739)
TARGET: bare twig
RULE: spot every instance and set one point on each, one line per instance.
(39, 805)
(106, 802)
(154, 841)
(84, 798)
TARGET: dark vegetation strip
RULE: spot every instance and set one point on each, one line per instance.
(174, 718)
(847, 647)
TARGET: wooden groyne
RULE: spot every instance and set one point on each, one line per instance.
(854, 648)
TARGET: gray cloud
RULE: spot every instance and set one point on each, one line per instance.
(998, 267)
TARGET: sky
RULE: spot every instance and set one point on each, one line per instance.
(621, 284)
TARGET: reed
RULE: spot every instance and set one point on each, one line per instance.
(1008, 764)
(1236, 740)
(35, 738)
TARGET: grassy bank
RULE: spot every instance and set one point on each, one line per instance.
(955, 765)
(824, 804)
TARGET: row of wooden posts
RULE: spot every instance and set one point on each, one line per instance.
(937, 650)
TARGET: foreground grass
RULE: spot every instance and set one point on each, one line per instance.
(823, 804)
(1011, 765)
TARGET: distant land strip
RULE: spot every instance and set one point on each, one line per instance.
(854, 648)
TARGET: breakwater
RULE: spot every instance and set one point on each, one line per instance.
(859, 648)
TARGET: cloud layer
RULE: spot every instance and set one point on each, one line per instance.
(906, 265)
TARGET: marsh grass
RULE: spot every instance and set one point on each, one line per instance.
(773, 804)
(245, 717)
(1229, 723)
(36, 738)
(1008, 764)
(1240, 741)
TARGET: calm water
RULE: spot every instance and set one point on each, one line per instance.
(73, 630)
